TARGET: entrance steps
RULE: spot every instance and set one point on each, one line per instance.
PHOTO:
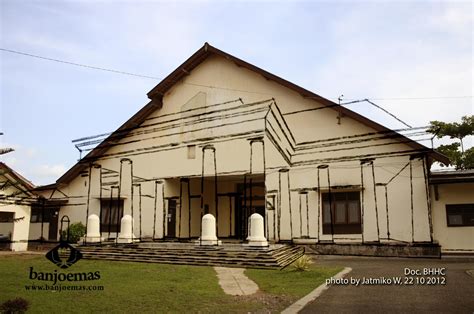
(228, 255)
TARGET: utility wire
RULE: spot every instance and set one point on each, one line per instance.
(157, 78)
(381, 108)
(79, 64)
(417, 98)
(119, 71)
(349, 140)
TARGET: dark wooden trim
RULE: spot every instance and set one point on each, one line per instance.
(156, 95)
(339, 228)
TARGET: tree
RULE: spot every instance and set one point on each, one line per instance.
(76, 231)
(5, 150)
(463, 159)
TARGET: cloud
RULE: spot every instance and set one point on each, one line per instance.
(359, 49)
(49, 171)
(378, 55)
(27, 162)
(453, 18)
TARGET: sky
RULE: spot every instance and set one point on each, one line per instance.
(414, 58)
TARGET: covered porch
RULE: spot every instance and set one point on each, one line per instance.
(171, 209)
(230, 199)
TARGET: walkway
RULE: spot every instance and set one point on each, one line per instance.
(234, 282)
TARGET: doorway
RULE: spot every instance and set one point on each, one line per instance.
(53, 225)
(250, 200)
(171, 219)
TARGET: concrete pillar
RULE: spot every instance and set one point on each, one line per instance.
(159, 210)
(126, 235)
(208, 233)
(93, 196)
(21, 229)
(257, 158)
(256, 235)
(314, 225)
(285, 220)
(93, 229)
(421, 214)
(126, 173)
(271, 217)
(184, 210)
(209, 188)
(370, 219)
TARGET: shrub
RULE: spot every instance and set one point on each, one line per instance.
(18, 305)
(76, 231)
(302, 263)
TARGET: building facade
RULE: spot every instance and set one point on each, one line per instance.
(452, 196)
(222, 136)
(16, 197)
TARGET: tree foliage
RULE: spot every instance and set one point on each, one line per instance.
(76, 231)
(461, 159)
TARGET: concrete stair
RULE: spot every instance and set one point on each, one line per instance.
(273, 257)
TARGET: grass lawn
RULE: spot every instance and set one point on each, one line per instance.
(141, 287)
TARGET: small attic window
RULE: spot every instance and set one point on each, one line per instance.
(191, 151)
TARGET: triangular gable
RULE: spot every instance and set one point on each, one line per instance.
(156, 96)
(13, 179)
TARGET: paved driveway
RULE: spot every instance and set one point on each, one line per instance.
(456, 296)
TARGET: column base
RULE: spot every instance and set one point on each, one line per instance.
(305, 240)
(19, 246)
(208, 242)
(94, 239)
(256, 243)
(127, 240)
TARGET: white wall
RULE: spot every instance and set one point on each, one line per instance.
(159, 151)
(19, 228)
(452, 239)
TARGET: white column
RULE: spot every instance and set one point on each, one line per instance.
(126, 185)
(284, 208)
(159, 215)
(208, 234)
(21, 229)
(126, 235)
(93, 229)
(257, 164)
(256, 236)
(370, 226)
(184, 209)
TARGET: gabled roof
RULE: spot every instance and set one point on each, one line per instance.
(452, 176)
(156, 97)
(16, 179)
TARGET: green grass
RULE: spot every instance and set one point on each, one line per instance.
(141, 287)
(291, 283)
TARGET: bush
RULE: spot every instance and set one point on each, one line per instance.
(302, 263)
(18, 305)
(76, 231)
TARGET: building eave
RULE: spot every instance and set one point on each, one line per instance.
(199, 56)
(156, 97)
(124, 129)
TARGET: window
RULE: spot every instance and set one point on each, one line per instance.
(191, 151)
(460, 215)
(38, 211)
(6, 217)
(343, 216)
(112, 212)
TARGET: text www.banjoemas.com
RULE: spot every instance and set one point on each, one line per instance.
(60, 288)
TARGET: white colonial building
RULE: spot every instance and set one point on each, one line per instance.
(224, 137)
